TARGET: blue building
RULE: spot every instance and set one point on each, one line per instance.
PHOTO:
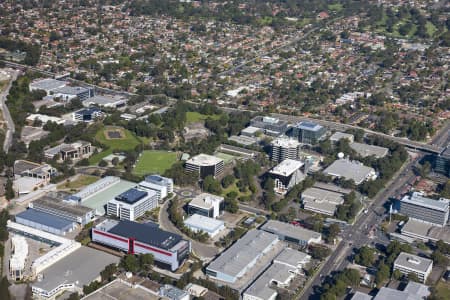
(442, 162)
(308, 132)
(44, 221)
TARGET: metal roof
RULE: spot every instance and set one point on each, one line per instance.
(305, 125)
(419, 200)
(413, 262)
(286, 229)
(44, 219)
(203, 223)
(145, 233)
(368, 150)
(391, 294)
(131, 196)
(349, 170)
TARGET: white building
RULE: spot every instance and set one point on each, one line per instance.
(19, 247)
(337, 136)
(207, 205)
(132, 204)
(48, 85)
(286, 175)
(199, 223)
(284, 148)
(350, 170)
(321, 201)
(409, 263)
(205, 165)
(161, 185)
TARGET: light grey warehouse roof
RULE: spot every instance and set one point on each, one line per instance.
(368, 150)
(261, 287)
(243, 252)
(413, 262)
(47, 84)
(286, 229)
(291, 257)
(360, 296)
(391, 294)
(320, 195)
(75, 268)
(418, 199)
(349, 170)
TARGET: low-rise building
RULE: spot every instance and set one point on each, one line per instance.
(74, 151)
(68, 93)
(161, 185)
(337, 136)
(365, 150)
(207, 205)
(308, 132)
(132, 204)
(350, 170)
(293, 234)
(321, 201)
(26, 168)
(286, 175)
(172, 293)
(44, 221)
(87, 114)
(270, 126)
(205, 165)
(47, 84)
(199, 223)
(408, 263)
(105, 101)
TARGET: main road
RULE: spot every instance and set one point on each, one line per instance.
(6, 115)
(357, 235)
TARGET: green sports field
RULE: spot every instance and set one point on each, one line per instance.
(154, 162)
(192, 117)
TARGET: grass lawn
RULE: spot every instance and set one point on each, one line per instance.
(80, 182)
(431, 29)
(336, 7)
(154, 162)
(192, 116)
(443, 290)
(233, 187)
(227, 158)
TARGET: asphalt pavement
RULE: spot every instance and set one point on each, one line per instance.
(6, 115)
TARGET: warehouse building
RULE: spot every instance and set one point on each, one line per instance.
(168, 249)
(350, 170)
(284, 148)
(105, 101)
(293, 234)
(205, 165)
(26, 168)
(245, 254)
(321, 201)
(132, 204)
(47, 84)
(68, 93)
(423, 209)
(286, 175)
(44, 221)
(365, 150)
(308, 132)
(409, 263)
(74, 151)
(199, 223)
(207, 205)
(63, 209)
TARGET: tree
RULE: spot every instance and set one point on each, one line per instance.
(365, 256)
(397, 274)
(130, 263)
(108, 273)
(4, 291)
(413, 277)
(103, 163)
(382, 273)
(439, 258)
(9, 190)
(333, 232)
(74, 296)
(146, 261)
(319, 252)
(227, 181)
(212, 185)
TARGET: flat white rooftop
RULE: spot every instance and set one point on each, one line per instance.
(285, 143)
(205, 200)
(349, 170)
(287, 167)
(413, 262)
(418, 199)
(203, 223)
(204, 160)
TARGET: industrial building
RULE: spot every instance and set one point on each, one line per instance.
(442, 162)
(74, 151)
(308, 132)
(44, 221)
(291, 233)
(71, 273)
(48, 85)
(132, 204)
(408, 263)
(68, 93)
(159, 184)
(286, 175)
(19, 250)
(239, 151)
(284, 148)
(249, 252)
(350, 170)
(365, 150)
(87, 114)
(423, 209)
(63, 209)
(26, 168)
(321, 201)
(168, 249)
(199, 223)
(44, 119)
(205, 165)
(270, 126)
(105, 101)
(337, 136)
(207, 205)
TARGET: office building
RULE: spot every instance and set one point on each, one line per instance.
(48, 85)
(442, 162)
(63, 209)
(293, 234)
(337, 136)
(321, 201)
(199, 223)
(350, 170)
(87, 114)
(19, 250)
(132, 204)
(44, 221)
(168, 249)
(245, 254)
(74, 151)
(408, 263)
(423, 209)
(286, 175)
(68, 93)
(308, 132)
(365, 150)
(207, 205)
(105, 101)
(161, 185)
(205, 165)
(270, 126)
(284, 148)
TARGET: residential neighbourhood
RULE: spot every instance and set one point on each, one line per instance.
(168, 149)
